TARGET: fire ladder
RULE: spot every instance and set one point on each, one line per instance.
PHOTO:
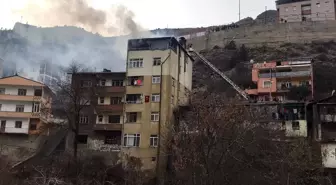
(235, 86)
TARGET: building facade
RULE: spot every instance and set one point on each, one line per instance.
(24, 106)
(158, 79)
(102, 113)
(275, 79)
(305, 10)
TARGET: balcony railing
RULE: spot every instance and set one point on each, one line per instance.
(110, 89)
(285, 74)
(328, 118)
(109, 108)
(107, 126)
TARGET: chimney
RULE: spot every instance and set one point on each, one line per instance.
(183, 42)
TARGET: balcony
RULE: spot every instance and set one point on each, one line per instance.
(109, 108)
(19, 115)
(110, 89)
(107, 127)
(328, 118)
(10, 97)
(286, 74)
(16, 130)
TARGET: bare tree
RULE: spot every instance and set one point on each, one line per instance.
(220, 142)
(72, 97)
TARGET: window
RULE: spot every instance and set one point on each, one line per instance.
(2, 90)
(115, 100)
(132, 117)
(153, 159)
(18, 124)
(22, 92)
(286, 9)
(156, 61)
(36, 107)
(82, 139)
(114, 119)
(19, 108)
(267, 84)
(111, 140)
(173, 82)
(101, 100)
(3, 124)
(86, 83)
(153, 140)
(83, 119)
(135, 80)
(294, 8)
(296, 125)
(156, 79)
(117, 83)
(38, 92)
(172, 99)
(0, 106)
(155, 97)
(100, 118)
(102, 82)
(318, 4)
(131, 140)
(32, 126)
(135, 63)
(155, 116)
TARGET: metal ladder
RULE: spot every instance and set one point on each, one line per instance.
(235, 86)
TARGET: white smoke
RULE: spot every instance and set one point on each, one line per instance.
(29, 45)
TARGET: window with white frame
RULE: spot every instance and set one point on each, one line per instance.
(2, 90)
(267, 84)
(100, 118)
(131, 140)
(83, 119)
(156, 79)
(18, 124)
(22, 92)
(101, 100)
(102, 82)
(135, 63)
(157, 61)
(117, 83)
(155, 97)
(36, 107)
(155, 116)
(19, 108)
(153, 140)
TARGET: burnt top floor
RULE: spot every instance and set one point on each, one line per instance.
(280, 2)
(159, 43)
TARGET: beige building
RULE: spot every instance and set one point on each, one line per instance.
(305, 10)
(158, 79)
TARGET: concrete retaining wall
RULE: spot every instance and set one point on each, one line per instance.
(272, 34)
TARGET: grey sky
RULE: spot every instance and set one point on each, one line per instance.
(158, 13)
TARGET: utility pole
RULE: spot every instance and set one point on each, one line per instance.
(239, 10)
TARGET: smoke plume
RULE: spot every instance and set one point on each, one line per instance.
(25, 47)
(114, 21)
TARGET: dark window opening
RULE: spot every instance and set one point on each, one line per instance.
(22, 92)
(115, 100)
(32, 126)
(114, 119)
(18, 124)
(38, 92)
(112, 140)
(82, 139)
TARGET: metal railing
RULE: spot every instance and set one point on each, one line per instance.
(285, 74)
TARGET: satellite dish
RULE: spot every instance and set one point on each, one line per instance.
(251, 61)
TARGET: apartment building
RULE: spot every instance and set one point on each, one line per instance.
(24, 105)
(274, 79)
(158, 79)
(305, 10)
(101, 118)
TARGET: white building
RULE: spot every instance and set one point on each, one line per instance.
(24, 104)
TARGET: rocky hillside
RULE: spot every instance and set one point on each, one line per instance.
(236, 64)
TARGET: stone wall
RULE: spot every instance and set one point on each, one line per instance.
(271, 34)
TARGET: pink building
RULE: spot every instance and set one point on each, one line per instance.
(274, 79)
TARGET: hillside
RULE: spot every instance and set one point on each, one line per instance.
(237, 65)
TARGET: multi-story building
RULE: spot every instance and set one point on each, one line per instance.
(305, 10)
(24, 105)
(158, 79)
(275, 79)
(102, 113)
(1, 67)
